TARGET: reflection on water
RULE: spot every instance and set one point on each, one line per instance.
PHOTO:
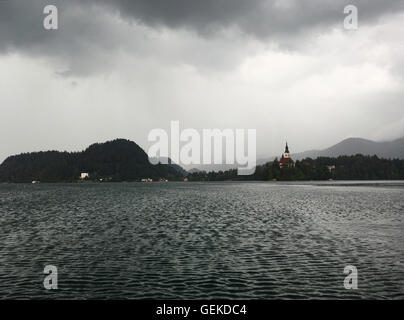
(202, 240)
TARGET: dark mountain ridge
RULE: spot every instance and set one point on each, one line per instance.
(117, 160)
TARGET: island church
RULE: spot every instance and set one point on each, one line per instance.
(286, 160)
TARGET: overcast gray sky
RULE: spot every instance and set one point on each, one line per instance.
(114, 69)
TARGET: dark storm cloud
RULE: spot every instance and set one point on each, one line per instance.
(262, 18)
(21, 20)
(92, 33)
(83, 42)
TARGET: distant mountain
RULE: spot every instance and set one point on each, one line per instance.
(210, 167)
(117, 160)
(352, 146)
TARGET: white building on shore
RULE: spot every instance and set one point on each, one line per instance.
(84, 175)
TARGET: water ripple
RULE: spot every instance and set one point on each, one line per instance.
(202, 240)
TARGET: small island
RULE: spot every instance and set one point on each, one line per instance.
(354, 167)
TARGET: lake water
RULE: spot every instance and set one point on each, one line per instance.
(202, 240)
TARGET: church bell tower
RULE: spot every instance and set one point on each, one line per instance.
(286, 159)
(286, 154)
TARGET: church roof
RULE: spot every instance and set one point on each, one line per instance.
(284, 160)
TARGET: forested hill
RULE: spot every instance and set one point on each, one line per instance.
(358, 167)
(117, 160)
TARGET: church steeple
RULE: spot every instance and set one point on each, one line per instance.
(287, 148)
(286, 159)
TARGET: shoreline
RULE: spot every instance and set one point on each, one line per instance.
(224, 181)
